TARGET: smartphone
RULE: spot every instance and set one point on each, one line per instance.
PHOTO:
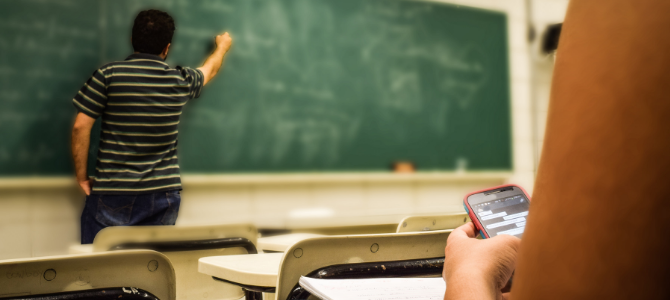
(498, 210)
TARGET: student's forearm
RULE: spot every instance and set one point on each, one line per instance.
(469, 286)
(598, 225)
(81, 139)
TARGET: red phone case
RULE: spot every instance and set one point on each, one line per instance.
(471, 214)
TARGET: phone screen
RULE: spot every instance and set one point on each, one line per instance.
(505, 215)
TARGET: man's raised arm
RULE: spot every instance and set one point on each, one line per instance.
(213, 63)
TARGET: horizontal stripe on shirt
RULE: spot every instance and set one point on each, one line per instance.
(141, 124)
(118, 152)
(141, 75)
(131, 189)
(139, 84)
(138, 179)
(145, 104)
(139, 133)
(147, 94)
(137, 162)
(112, 170)
(144, 114)
(136, 153)
(145, 60)
(133, 66)
(138, 144)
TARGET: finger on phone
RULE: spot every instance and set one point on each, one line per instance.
(466, 230)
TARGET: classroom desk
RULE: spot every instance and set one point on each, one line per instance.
(256, 274)
(279, 243)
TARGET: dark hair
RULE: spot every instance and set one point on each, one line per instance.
(152, 31)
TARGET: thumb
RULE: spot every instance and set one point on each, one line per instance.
(464, 231)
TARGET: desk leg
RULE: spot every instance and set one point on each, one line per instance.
(252, 295)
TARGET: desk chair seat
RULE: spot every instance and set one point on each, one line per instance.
(366, 255)
(313, 254)
(135, 273)
(386, 269)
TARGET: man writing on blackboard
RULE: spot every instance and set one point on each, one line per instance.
(137, 179)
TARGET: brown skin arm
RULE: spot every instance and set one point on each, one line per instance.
(81, 138)
(600, 217)
(213, 63)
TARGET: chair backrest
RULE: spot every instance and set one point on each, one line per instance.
(315, 253)
(113, 236)
(429, 223)
(184, 245)
(133, 269)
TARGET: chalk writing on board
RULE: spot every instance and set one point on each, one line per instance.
(308, 85)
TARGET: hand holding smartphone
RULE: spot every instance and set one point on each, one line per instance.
(498, 210)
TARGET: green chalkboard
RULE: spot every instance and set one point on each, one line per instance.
(47, 51)
(309, 85)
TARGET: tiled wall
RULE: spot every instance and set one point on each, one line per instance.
(280, 205)
(45, 220)
(38, 222)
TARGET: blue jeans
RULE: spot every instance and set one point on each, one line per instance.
(103, 211)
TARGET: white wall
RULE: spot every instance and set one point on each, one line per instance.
(38, 221)
(300, 201)
(543, 13)
(41, 217)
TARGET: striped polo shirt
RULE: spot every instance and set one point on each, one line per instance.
(140, 101)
